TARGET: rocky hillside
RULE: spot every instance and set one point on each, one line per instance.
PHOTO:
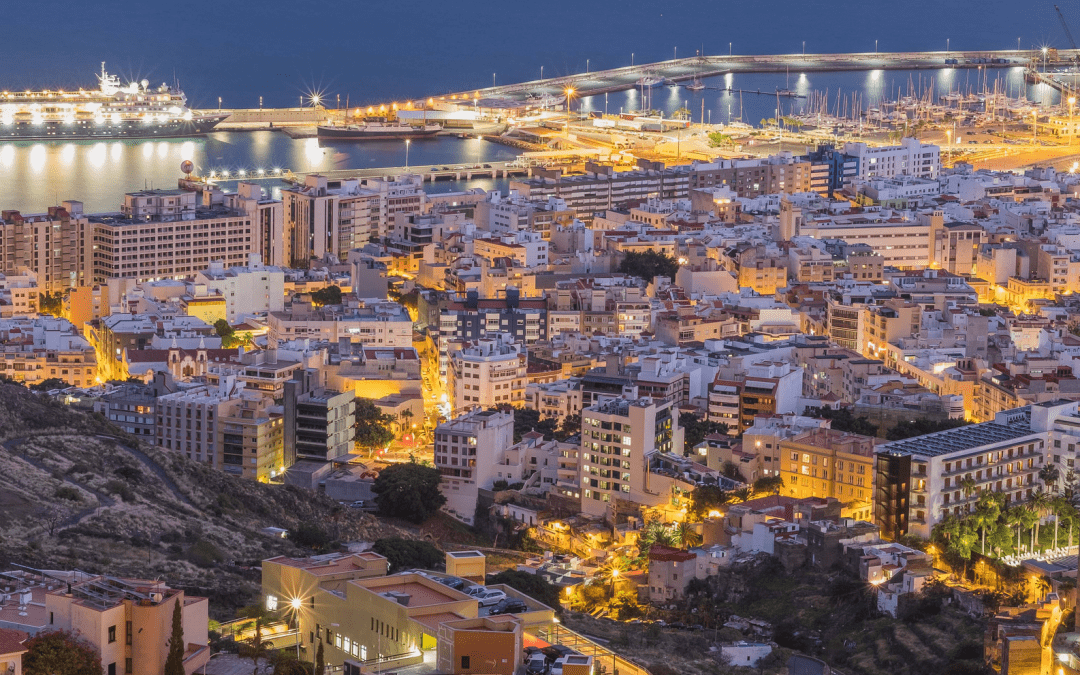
(75, 492)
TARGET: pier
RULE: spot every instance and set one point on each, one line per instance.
(683, 70)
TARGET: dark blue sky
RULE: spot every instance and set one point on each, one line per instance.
(374, 51)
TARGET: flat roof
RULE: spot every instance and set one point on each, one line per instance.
(334, 563)
(959, 439)
(465, 554)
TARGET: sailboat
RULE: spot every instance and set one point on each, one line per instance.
(696, 85)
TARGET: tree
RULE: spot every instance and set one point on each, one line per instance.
(695, 429)
(1049, 475)
(649, 264)
(320, 660)
(310, 535)
(685, 535)
(255, 648)
(719, 140)
(373, 426)
(59, 653)
(331, 295)
(49, 383)
(174, 662)
(843, 420)
(527, 419)
(705, 499)
(409, 491)
(284, 662)
(51, 303)
(731, 470)
(769, 485)
(536, 587)
(403, 554)
(571, 425)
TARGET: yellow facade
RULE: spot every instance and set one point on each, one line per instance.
(827, 463)
(209, 309)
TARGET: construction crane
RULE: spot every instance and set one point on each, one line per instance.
(1068, 33)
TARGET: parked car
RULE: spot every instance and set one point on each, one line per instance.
(553, 652)
(509, 606)
(557, 667)
(358, 504)
(455, 583)
(475, 590)
(536, 665)
(490, 597)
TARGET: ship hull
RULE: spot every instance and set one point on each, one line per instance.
(344, 133)
(89, 130)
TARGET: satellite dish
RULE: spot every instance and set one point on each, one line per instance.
(145, 83)
(187, 166)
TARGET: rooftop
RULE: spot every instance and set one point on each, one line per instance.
(959, 439)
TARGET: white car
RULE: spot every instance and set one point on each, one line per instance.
(557, 667)
(490, 597)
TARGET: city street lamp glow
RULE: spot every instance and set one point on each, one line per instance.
(295, 603)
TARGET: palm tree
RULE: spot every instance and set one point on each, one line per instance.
(743, 494)
(685, 535)
(1039, 502)
(968, 486)
(987, 512)
(255, 648)
(1014, 518)
(1029, 518)
(1049, 474)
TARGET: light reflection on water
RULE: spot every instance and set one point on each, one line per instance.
(35, 175)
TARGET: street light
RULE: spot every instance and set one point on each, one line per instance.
(407, 142)
(875, 46)
(586, 66)
(1072, 101)
(804, 47)
(614, 578)
(493, 80)
(569, 91)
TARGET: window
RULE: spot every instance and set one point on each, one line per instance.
(112, 634)
(127, 666)
(464, 662)
(112, 668)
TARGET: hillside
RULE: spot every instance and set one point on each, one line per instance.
(75, 492)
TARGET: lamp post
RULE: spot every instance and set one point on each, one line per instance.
(586, 66)
(295, 605)
(614, 578)
(493, 80)
(804, 47)
(407, 142)
(631, 59)
(569, 91)
(729, 49)
(676, 58)
(875, 46)
(541, 73)
(1072, 100)
(1044, 51)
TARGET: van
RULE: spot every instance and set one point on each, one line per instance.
(536, 665)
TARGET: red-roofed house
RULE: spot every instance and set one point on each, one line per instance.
(11, 650)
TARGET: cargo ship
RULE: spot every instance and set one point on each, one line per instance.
(113, 110)
(377, 130)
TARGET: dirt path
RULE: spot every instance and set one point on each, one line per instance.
(104, 500)
(154, 467)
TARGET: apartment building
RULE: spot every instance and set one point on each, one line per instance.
(830, 169)
(468, 450)
(919, 481)
(902, 242)
(18, 294)
(328, 217)
(910, 158)
(602, 188)
(169, 234)
(246, 289)
(472, 318)
(514, 213)
(526, 249)
(618, 438)
(826, 463)
(251, 439)
(762, 387)
(128, 622)
(399, 196)
(57, 246)
(382, 324)
(318, 421)
(36, 349)
(554, 400)
(778, 174)
(488, 372)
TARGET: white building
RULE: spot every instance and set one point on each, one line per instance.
(384, 324)
(618, 437)
(468, 452)
(251, 289)
(910, 158)
(488, 372)
(328, 217)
